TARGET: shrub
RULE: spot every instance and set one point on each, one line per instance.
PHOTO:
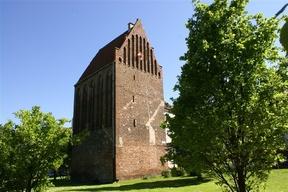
(177, 171)
(166, 173)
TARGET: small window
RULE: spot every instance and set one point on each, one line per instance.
(133, 98)
(124, 55)
(134, 77)
(155, 64)
(120, 59)
(134, 122)
(137, 51)
(129, 52)
(133, 51)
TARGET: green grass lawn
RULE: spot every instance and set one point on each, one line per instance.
(278, 182)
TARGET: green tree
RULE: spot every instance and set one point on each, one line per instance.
(6, 155)
(28, 150)
(231, 114)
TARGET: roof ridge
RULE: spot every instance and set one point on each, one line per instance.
(111, 42)
(104, 56)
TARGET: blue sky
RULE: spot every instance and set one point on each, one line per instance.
(45, 45)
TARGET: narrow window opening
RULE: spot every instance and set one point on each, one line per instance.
(124, 55)
(151, 61)
(144, 54)
(133, 51)
(134, 122)
(147, 57)
(141, 62)
(120, 59)
(137, 50)
(155, 64)
(134, 77)
(133, 98)
(129, 52)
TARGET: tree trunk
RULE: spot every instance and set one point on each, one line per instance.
(55, 174)
(29, 185)
(241, 180)
(29, 188)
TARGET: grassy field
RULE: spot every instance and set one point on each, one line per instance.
(278, 182)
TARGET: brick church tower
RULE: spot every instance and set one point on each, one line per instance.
(119, 99)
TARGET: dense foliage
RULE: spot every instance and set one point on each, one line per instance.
(30, 149)
(231, 114)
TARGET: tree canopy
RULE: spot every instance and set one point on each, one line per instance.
(28, 150)
(231, 114)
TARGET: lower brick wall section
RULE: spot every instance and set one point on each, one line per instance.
(93, 160)
(139, 161)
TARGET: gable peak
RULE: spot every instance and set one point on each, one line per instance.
(131, 25)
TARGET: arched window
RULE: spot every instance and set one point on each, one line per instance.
(133, 51)
(129, 52)
(124, 55)
(148, 58)
(76, 111)
(141, 59)
(103, 102)
(90, 105)
(95, 106)
(151, 61)
(99, 102)
(155, 65)
(84, 109)
(137, 51)
(144, 54)
(108, 111)
(110, 100)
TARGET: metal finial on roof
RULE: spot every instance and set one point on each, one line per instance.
(130, 26)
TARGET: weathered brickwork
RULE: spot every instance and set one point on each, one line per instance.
(123, 112)
(93, 160)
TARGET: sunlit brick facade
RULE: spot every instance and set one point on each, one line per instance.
(119, 99)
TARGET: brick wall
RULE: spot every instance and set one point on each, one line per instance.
(93, 160)
(140, 142)
(121, 104)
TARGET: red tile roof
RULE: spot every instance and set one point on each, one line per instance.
(104, 56)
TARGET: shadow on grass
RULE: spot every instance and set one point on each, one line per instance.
(68, 183)
(63, 183)
(146, 185)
